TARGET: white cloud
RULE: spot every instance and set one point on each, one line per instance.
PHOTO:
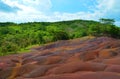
(30, 5)
(31, 10)
(109, 9)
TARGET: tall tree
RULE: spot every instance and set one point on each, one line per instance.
(107, 21)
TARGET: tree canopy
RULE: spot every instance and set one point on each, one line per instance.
(107, 21)
(17, 37)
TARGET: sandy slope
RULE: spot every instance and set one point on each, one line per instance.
(88, 58)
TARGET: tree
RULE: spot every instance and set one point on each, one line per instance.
(57, 33)
(107, 21)
(9, 47)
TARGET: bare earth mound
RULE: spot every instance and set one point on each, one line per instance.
(88, 58)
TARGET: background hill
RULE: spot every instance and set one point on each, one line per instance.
(15, 38)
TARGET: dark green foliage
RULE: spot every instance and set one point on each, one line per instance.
(57, 33)
(14, 37)
(107, 21)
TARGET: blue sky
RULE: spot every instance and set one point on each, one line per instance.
(72, 6)
(58, 10)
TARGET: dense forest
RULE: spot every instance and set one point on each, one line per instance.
(17, 37)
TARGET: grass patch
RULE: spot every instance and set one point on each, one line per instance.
(28, 49)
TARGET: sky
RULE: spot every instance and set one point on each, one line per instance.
(20, 11)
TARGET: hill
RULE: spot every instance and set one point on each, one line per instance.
(16, 38)
(81, 58)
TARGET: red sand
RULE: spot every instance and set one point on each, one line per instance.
(96, 58)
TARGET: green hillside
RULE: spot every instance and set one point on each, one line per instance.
(18, 37)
